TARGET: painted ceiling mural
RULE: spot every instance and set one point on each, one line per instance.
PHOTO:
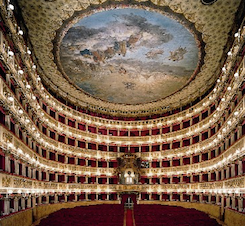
(129, 56)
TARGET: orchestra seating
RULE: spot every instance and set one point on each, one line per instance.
(98, 215)
(159, 215)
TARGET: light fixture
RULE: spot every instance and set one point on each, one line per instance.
(20, 32)
(20, 111)
(21, 72)
(10, 53)
(10, 7)
(10, 98)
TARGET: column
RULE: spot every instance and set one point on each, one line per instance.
(23, 203)
(209, 198)
(34, 174)
(29, 201)
(75, 199)
(7, 163)
(181, 197)
(150, 196)
(47, 176)
(33, 201)
(191, 197)
(222, 211)
(40, 174)
(222, 174)
(47, 199)
(16, 167)
(233, 170)
(201, 198)
(227, 172)
(217, 175)
(56, 198)
(29, 171)
(65, 197)
(16, 204)
(233, 202)
(209, 176)
(228, 201)
(6, 206)
(56, 177)
(7, 121)
(40, 199)
(66, 159)
(240, 171)
(170, 197)
(240, 204)
(160, 196)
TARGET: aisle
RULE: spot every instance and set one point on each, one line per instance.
(129, 219)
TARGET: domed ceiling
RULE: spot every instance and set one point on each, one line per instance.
(129, 55)
(129, 58)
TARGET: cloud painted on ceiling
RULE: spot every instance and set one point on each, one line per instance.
(129, 56)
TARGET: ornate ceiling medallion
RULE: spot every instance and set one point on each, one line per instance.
(129, 54)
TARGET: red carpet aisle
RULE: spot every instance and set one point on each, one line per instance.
(158, 215)
(129, 217)
(99, 215)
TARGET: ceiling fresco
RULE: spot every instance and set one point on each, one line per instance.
(213, 25)
(129, 55)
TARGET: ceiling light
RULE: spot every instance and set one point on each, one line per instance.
(20, 32)
(28, 86)
(229, 88)
(10, 53)
(10, 98)
(21, 111)
(236, 74)
(10, 7)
